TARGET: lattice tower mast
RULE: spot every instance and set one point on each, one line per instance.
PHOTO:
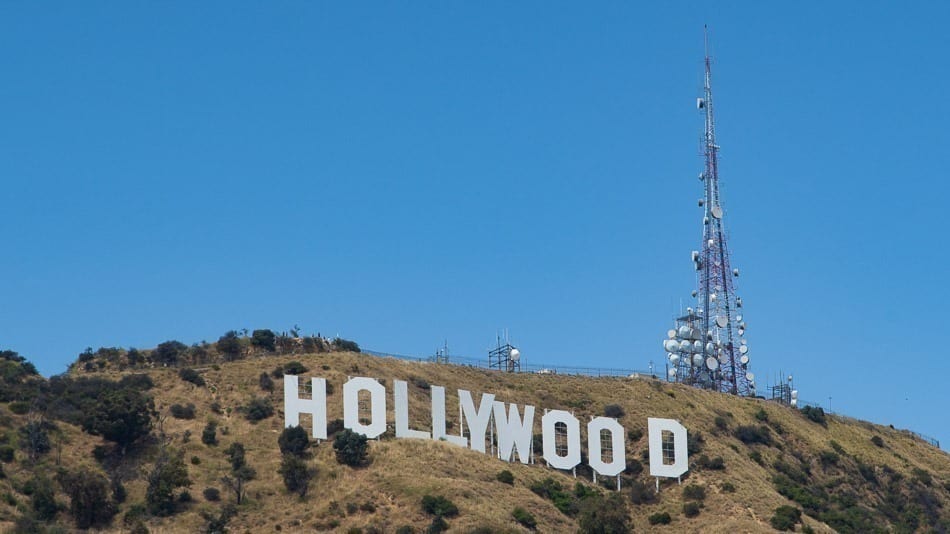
(706, 348)
(716, 292)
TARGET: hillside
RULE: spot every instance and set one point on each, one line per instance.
(749, 456)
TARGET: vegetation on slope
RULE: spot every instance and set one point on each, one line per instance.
(113, 445)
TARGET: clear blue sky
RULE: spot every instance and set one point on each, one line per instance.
(404, 173)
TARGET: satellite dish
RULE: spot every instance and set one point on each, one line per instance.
(689, 311)
(515, 354)
(744, 360)
(700, 104)
(705, 220)
(701, 202)
(702, 176)
(697, 346)
(716, 212)
(674, 358)
(743, 349)
(739, 318)
(735, 272)
(672, 372)
(712, 363)
(742, 342)
(695, 255)
(742, 325)
(712, 297)
(709, 347)
(750, 377)
(697, 360)
(711, 242)
(738, 302)
(722, 321)
(694, 293)
(671, 334)
(670, 345)
(794, 393)
(709, 334)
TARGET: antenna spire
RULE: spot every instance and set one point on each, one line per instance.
(707, 348)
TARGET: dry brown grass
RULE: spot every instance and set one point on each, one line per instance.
(402, 471)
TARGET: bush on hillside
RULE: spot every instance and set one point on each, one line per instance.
(351, 448)
(660, 518)
(293, 440)
(505, 477)
(750, 434)
(264, 339)
(785, 518)
(691, 509)
(266, 382)
(294, 368)
(815, 414)
(169, 352)
(89, 503)
(439, 506)
(296, 474)
(258, 409)
(614, 410)
(180, 411)
(190, 375)
(121, 416)
(346, 345)
(524, 517)
(603, 514)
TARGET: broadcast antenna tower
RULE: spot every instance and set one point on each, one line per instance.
(707, 347)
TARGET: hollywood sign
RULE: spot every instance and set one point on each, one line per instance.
(511, 427)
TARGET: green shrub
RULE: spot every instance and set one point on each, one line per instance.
(728, 487)
(785, 518)
(721, 423)
(264, 339)
(351, 448)
(614, 410)
(877, 441)
(42, 497)
(209, 436)
(212, 494)
(524, 517)
(296, 474)
(167, 474)
(190, 375)
(603, 514)
(89, 503)
(266, 382)
(346, 345)
(19, 407)
(553, 491)
(295, 368)
(691, 509)
(635, 434)
(258, 409)
(762, 415)
(815, 414)
(6, 453)
(713, 464)
(642, 493)
(183, 411)
(828, 458)
(405, 529)
(439, 506)
(694, 492)
(751, 434)
(293, 440)
(660, 518)
(505, 477)
(756, 457)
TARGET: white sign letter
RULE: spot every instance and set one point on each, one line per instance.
(658, 468)
(317, 407)
(595, 446)
(438, 419)
(401, 395)
(351, 406)
(573, 456)
(512, 431)
(477, 420)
